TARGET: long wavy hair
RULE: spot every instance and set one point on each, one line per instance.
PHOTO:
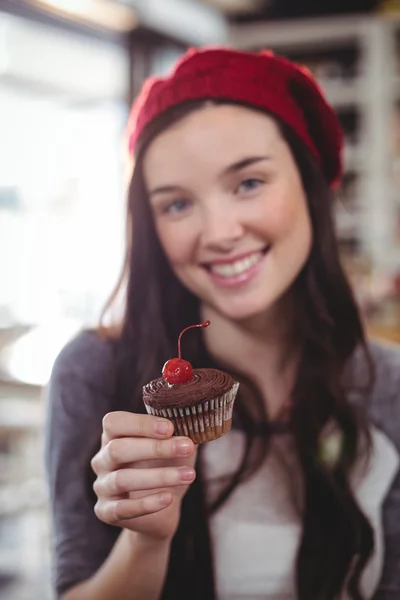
(337, 539)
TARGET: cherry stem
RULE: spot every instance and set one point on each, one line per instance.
(205, 324)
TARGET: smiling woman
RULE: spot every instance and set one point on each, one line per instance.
(230, 209)
(229, 220)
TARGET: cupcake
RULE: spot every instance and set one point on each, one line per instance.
(199, 402)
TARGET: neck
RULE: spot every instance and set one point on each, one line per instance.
(263, 348)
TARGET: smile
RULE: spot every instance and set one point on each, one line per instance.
(236, 272)
(237, 267)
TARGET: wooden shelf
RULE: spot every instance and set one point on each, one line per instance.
(382, 332)
(343, 94)
(318, 32)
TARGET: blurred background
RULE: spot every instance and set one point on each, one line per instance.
(69, 70)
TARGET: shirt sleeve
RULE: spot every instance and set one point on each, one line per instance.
(385, 412)
(389, 587)
(79, 394)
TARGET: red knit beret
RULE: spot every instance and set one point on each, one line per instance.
(262, 80)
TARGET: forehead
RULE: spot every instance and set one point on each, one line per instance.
(216, 135)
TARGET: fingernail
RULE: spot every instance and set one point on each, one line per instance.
(182, 447)
(164, 499)
(161, 427)
(186, 474)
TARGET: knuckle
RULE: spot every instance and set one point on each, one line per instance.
(159, 449)
(118, 511)
(96, 487)
(119, 482)
(114, 451)
(141, 425)
(108, 422)
(141, 506)
(99, 511)
(94, 463)
(167, 477)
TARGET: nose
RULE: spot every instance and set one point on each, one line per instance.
(221, 229)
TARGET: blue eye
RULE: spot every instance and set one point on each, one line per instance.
(176, 207)
(248, 185)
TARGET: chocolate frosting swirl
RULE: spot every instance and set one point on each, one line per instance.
(204, 385)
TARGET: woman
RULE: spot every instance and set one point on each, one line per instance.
(229, 219)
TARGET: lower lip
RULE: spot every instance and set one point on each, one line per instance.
(240, 279)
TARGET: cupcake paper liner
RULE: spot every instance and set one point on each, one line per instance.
(202, 422)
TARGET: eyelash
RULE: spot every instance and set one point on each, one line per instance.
(252, 180)
(168, 208)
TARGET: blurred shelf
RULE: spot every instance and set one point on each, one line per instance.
(309, 33)
(395, 193)
(342, 93)
(346, 223)
(19, 414)
(382, 332)
(354, 158)
(396, 87)
(11, 334)
(9, 560)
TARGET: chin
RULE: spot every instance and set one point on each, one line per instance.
(244, 311)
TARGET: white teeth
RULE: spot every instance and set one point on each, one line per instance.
(238, 267)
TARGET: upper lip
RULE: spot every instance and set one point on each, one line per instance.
(232, 259)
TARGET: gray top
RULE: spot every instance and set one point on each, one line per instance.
(82, 391)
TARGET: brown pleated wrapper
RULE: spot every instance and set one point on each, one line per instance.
(202, 422)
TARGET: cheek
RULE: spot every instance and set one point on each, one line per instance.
(285, 213)
(178, 242)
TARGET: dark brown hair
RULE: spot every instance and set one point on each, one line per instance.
(337, 539)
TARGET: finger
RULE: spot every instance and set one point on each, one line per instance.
(122, 451)
(123, 481)
(115, 511)
(121, 424)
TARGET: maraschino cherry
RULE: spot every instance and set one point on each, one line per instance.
(177, 370)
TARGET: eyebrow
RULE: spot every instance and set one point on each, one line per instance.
(245, 162)
(234, 168)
